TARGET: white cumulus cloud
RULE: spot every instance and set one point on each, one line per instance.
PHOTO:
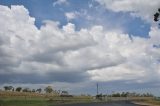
(67, 55)
(71, 15)
(139, 8)
(60, 2)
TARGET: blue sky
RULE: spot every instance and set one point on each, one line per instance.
(45, 10)
(73, 44)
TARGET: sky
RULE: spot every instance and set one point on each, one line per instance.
(74, 44)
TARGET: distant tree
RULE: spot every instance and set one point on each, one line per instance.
(33, 90)
(18, 89)
(48, 89)
(123, 94)
(147, 95)
(99, 96)
(64, 93)
(8, 88)
(116, 95)
(156, 15)
(26, 90)
(39, 90)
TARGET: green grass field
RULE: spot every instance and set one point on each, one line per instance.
(23, 103)
(39, 101)
(36, 99)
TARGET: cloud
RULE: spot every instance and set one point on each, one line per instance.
(82, 14)
(140, 60)
(64, 54)
(143, 9)
(60, 2)
(71, 15)
(34, 78)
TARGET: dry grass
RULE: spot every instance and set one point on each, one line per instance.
(8, 98)
(148, 102)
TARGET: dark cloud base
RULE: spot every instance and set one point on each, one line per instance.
(69, 77)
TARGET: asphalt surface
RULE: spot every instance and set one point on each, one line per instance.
(121, 103)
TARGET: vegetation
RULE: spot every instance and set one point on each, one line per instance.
(156, 15)
(8, 98)
(8, 88)
(38, 97)
(48, 89)
(128, 94)
(18, 89)
(39, 90)
(148, 102)
(48, 96)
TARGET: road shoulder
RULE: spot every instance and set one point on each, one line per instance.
(144, 104)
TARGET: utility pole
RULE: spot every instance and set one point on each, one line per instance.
(97, 89)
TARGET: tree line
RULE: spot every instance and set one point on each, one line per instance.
(48, 89)
(129, 94)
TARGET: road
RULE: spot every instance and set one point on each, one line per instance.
(105, 104)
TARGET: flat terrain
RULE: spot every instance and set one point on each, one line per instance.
(121, 103)
(37, 99)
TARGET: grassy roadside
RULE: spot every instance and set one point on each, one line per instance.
(14, 102)
(8, 98)
(52, 101)
(36, 99)
(151, 102)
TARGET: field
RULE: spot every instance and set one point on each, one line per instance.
(149, 102)
(35, 99)
(8, 98)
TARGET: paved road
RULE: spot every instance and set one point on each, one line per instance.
(105, 104)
